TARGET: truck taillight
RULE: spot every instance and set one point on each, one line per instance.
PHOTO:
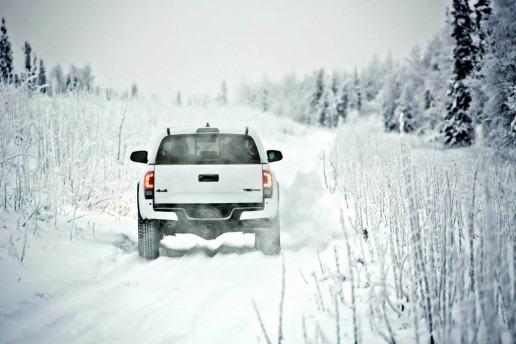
(148, 185)
(267, 184)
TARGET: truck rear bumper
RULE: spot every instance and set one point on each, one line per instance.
(266, 210)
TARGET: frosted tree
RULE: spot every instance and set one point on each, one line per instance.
(317, 95)
(79, 78)
(372, 79)
(29, 64)
(265, 95)
(458, 126)
(412, 97)
(42, 77)
(57, 79)
(34, 67)
(265, 99)
(6, 55)
(326, 109)
(500, 72)
(27, 50)
(335, 84)
(179, 101)
(292, 97)
(86, 77)
(356, 100)
(27, 54)
(389, 97)
(482, 11)
(246, 93)
(438, 62)
(335, 99)
(343, 103)
(73, 78)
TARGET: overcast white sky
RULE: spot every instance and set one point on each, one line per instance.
(192, 45)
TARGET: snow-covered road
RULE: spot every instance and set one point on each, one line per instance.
(97, 289)
(112, 295)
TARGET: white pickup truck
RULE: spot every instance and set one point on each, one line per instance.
(207, 181)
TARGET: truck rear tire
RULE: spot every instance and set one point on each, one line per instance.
(268, 241)
(148, 238)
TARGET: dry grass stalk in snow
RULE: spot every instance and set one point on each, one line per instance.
(442, 224)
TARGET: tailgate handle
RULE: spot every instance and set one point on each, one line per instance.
(208, 177)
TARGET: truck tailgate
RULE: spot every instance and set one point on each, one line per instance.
(208, 184)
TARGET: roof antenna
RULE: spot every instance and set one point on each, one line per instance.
(207, 125)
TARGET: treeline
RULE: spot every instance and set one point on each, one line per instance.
(465, 78)
(35, 77)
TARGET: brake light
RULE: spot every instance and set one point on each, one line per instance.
(267, 179)
(267, 184)
(148, 185)
(149, 181)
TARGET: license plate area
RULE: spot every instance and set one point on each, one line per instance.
(206, 213)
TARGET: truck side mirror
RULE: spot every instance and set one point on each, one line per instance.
(274, 155)
(139, 156)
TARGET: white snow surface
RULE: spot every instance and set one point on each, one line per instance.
(95, 288)
(87, 284)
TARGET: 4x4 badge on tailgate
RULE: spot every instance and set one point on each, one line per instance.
(250, 190)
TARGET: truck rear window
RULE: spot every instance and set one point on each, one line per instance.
(192, 149)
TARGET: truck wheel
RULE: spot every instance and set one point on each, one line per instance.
(270, 238)
(148, 238)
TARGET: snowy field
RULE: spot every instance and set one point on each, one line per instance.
(380, 235)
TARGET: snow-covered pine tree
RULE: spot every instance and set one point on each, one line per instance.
(357, 93)
(343, 103)
(29, 67)
(79, 78)
(87, 77)
(499, 69)
(390, 95)
(372, 79)
(482, 12)
(34, 71)
(265, 99)
(334, 100)
(72, 79)
(265, 95)
(316, 97)
(335, 84)
(458, 124)
(57, 79)
(438, 61)
(326, 109)
(411, 101)
(6, 56)
(27, 50)
(42, 77)
(292, 97)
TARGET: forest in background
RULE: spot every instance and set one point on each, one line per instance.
(457, 90)
(461, 83)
